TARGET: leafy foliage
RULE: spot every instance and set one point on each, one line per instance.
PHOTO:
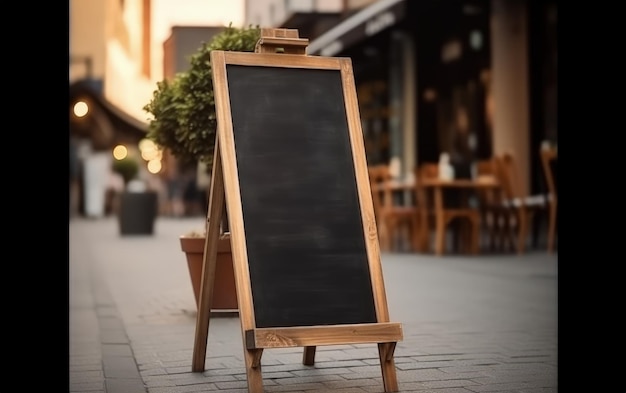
(167, 107)
(183, 109)
(127, 167)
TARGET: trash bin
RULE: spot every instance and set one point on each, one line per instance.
(137, 212)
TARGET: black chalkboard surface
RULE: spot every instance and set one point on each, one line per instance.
(302, 219)
(290, 167)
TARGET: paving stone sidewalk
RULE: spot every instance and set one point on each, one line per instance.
(471, 324)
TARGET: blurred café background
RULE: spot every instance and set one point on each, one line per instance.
(457, 98)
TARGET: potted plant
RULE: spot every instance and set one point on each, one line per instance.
(184, 121)
(224, 290)
(127, 168)
(137, 206)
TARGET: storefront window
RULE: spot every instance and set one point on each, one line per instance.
(374, 108)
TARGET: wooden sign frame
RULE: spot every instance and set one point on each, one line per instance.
(282, 48)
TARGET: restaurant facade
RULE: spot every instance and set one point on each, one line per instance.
(420, 65)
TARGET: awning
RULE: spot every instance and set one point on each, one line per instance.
(365, 23)
(123, 124)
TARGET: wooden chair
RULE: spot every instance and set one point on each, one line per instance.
(466, 216)
(549, 158)
(377, 174)
(425, 204)
(392, 218)
(491, 207)
(518, 208)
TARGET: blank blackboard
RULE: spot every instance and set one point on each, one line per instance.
(304, 232)
(290, 164)
(290, 168)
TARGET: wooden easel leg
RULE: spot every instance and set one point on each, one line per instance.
(214, 215)
(388, 366)
(253, 370)
(308, 358)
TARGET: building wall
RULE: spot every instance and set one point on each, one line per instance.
(126, 85)
(183, 42)
(87, 38)
(509, 70)
(115, 36)
(169, 13)
(272, 13)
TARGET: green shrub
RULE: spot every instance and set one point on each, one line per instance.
(127, 167)
(183, 109)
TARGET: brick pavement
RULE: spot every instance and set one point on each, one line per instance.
(471, 324)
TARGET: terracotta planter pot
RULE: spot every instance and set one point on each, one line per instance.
(224, 289)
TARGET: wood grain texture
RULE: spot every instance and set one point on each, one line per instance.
(323, 335)
(295, 182)
(216, 204)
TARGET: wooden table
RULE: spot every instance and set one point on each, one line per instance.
(396, 186)
(444, 214)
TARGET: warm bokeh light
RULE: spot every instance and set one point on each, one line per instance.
(150, 155)
(149, 150)
(81, 108)
(120, 152)
(154, 166)
(146, 144)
